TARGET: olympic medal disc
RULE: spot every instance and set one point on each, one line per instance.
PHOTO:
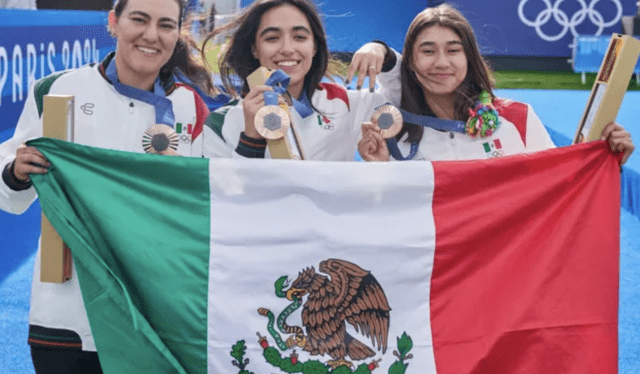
(272, 122)
(160, 139)
(389, 119)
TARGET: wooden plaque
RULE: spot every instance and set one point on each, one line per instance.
(609, 89)
(55, 256)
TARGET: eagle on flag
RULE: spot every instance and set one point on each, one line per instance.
(350, 295)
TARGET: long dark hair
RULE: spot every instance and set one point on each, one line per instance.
(238, 58)
(182, 57)
(479, 76)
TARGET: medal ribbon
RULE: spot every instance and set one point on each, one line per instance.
(483, 121)
(433, 122)
(392, 146)
(279, 81)
(271, 98)
(425, 121)
(157, 98)
(210, 101)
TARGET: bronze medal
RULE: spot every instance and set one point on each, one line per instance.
(389, 120)
(272, 122)
(160, 139)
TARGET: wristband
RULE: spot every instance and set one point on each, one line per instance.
(11, 181)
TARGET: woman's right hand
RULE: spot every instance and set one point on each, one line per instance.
(372, 146)
(29, 160)
(253, 102)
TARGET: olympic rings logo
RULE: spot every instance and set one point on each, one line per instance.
(562, 19)
(495, 153)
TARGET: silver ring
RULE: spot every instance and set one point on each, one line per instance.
(371, 67)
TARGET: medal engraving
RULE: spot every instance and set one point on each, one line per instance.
(160, 139)
(389, 119)
(272, 122)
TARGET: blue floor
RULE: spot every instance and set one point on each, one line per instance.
(629, 322)
(559, 110)
(562, 110)
(15, 357)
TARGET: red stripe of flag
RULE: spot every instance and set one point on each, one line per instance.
(526, 267)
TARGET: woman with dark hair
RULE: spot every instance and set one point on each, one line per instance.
(285, 35)
(444, 79)
(129, 102)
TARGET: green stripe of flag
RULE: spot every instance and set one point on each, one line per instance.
(158, 285)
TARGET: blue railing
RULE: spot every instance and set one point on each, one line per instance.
(588, 52)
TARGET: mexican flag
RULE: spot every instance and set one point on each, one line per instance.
(189, 265)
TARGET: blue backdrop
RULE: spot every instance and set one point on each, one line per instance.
(541, 28)
(503, 27)
(34, 44)
(351, 24)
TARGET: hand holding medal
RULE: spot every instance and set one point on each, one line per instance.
(388, 120)
(372, 146)
(272, 120)
(385, 124)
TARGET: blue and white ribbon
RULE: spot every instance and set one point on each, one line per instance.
(425, 121)
(157, 98)
(212, 102)
(433, 122)
(270, 98)
(279, 81)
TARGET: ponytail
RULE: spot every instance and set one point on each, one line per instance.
(183, 59)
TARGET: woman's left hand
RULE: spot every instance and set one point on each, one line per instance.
(367, 61)
(619, 140)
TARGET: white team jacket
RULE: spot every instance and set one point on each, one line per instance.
(520, 131)
(103, 118)
(331, 134)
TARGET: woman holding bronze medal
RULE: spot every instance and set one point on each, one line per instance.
(325, 118)
(445, 88)
(129, 102)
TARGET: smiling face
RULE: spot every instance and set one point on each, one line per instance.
(439, 61)
(284, 40)
(147, 33)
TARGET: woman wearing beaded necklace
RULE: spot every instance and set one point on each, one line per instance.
(443, 75)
